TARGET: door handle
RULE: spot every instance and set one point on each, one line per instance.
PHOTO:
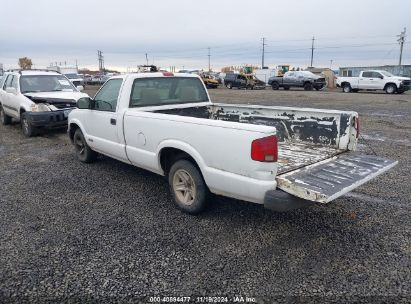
(113, 121)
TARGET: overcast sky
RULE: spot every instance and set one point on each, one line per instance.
(178, 32)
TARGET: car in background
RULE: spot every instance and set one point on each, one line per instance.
(298, 79)
(76, 79)
(40, 99)
(243, 81)
(374, 80)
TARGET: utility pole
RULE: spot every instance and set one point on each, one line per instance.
(312, 51)
(209, 59)
(331, 64)
(401, 40)
(146, 59)
(262, 55)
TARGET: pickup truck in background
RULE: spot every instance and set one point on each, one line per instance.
(374, 80)
(40, 99)
(300, 79)
(281, 157)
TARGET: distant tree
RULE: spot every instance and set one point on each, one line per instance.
(25, 63)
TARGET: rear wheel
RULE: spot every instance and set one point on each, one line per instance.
(187, 187)
(347, 88)
(26, 126)
(83, 151)
(4, 118)
(308, 86)
(390, 88)
(275, 86)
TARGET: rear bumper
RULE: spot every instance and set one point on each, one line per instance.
(280, 201)
(52, 119)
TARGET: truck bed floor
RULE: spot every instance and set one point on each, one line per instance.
(293, 155)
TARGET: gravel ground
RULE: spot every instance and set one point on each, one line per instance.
(109, 232)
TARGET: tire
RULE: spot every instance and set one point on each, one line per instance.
(347, 88)
(308, 86)
(26, 126)
(187, 187)
(83, 151)
(229, 85)
(275, 86)
(391, 88)
(4, 118)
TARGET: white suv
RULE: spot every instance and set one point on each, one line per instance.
(38, 98)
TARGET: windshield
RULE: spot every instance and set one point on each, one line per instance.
(72, 76)
(45, 83)
(168, 90)
(388, 74)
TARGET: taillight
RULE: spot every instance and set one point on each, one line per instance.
(357, 126)
(265, 149)
(168, 74)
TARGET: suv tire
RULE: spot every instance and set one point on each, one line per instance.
(26, 126)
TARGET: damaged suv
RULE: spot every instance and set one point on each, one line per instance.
(40, 99)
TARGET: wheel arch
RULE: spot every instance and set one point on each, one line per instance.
(72, 127)
(390, 83)
(171, 151)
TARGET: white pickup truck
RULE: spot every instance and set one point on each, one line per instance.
(374, 80)
(281, 157)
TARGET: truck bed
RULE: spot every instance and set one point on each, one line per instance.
(305, 136)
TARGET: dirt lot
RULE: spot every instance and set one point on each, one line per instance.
(109, 231)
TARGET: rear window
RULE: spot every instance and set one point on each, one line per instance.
(159, 91)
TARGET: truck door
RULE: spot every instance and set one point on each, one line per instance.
(100, 122)
(378, 82)
(289, 79)
(366, 81)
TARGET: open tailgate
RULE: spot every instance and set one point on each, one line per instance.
(326, 180)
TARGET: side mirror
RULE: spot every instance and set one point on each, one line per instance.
(11, 90)
(382, 77)
(80, 88)
(84, 103)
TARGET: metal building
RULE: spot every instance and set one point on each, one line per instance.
(398, 70)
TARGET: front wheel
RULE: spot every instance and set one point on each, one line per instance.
(83, 151)
(391, 89)
(187, 187)
(26, 126)
(4, 118)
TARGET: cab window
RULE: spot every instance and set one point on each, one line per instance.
(106, 99)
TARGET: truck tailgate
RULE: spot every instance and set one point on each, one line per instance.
(329, 179)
